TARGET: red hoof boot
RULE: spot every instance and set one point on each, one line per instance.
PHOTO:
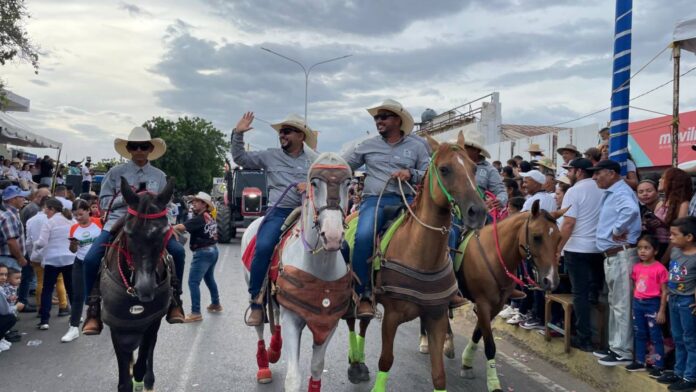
(263, 376)
(314, 385)
(276, 346)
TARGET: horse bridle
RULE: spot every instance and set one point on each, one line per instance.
(328, 174)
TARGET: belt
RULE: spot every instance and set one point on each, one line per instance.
(616, 250)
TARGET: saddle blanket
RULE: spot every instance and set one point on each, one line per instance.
(250, 250)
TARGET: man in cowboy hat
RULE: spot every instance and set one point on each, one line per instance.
(394, 153)
(284, 166)
(487, 177)
(535, 152)
(140, 149)
(568, 153)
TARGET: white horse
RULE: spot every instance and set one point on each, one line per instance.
(313, 250)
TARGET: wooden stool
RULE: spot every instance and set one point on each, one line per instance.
(566, 301)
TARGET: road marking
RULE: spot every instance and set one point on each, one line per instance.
(524, 369)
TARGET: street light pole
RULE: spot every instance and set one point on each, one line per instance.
(306, 72)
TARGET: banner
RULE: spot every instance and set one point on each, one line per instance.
(650, 141)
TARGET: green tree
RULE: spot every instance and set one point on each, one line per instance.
(104, 165)
(14, 40)
(195, 151)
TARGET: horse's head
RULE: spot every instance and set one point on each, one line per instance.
(146, 228)
(539, 238)
(327, 191)
(452, 182)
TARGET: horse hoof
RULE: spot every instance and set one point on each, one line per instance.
(138, 386)
(364, 372)
(449, 347)
(466, 372)
(354, 373)
(423, 346)
(264, 376)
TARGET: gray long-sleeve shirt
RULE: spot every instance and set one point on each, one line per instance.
(153, 178)
(282, 169)
(488, 179)
(381, 159)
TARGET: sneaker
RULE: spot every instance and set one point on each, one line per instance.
(72, 334)
(668, 377)
(682, 385)
(532, 323)
(43, 326)
(516, 319)
(5, 345)
(214, 308)
(193, 317)
(507, 312)
(635, 367)
(656, 373)
(552, 333)
(601, 353)
(614, 359)
(13, 336)
(64, 312)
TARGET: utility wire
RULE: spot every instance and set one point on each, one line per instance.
(641, 69)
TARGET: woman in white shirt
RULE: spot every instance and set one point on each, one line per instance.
(54, 246)
(25, 178)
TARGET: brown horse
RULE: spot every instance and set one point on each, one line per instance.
(533, 236)
(416, 278)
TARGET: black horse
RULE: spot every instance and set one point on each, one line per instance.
(135, 284)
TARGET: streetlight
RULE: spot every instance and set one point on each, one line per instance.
(306, 72)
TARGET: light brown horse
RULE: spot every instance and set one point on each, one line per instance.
(416, 278)
(532, 235)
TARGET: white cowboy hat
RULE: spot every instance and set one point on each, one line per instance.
(398, 109)
(534, 147)
(568, 147)
(205, 198)
(474, 138)
(295, 121)
(140, 134)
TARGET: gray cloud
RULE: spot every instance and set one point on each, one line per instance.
(39, 82)
(134, 10)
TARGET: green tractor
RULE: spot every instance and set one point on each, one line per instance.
(240, 197)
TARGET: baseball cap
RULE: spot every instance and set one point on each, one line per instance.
(535, 175)
(606, 164)
(13, 191)
(579, 163)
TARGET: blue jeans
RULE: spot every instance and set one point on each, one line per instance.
(684, 335)
(364, 235)
(644, 327)
(267, 238)
(203, 267)
(96, 253)
(49, 281)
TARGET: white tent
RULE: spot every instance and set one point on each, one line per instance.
(12, 131)
(685, 34)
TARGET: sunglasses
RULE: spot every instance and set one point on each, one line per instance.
(287, 131)
(139, 146)
(383, 116)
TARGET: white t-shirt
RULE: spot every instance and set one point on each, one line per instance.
(85, 236)
(585, 200)
(66, 203)
(85, 174)
(33, 230)
(547, 202)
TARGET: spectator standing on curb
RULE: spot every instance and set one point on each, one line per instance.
(86, 177)
(656, 227)
(617, 232)
(12, 250)
(534, 183)
(203, 230)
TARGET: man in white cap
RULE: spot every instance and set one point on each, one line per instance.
(394, 153)
(534, 182)
(284, 166)
(140, 149)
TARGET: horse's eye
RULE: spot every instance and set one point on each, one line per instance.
(537, 238)
(444, 170)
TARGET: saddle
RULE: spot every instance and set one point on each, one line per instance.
(250, 250)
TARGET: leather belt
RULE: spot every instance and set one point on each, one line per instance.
(616, 250)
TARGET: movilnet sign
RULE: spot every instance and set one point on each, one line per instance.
(650, 141)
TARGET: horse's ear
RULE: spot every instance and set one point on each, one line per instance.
(166, 195)
(460, 140)
(535, 208)
(559, 213)
(432, 142)
(128, 195)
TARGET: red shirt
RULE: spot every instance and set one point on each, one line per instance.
(648, 280)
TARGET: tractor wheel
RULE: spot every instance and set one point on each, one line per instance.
(224, 222)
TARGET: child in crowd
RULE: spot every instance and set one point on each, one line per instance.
(14, 278)
(7, 312)
(515, 205)
(649, 305)
(682, 288)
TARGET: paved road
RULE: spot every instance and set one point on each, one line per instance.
(219, 355)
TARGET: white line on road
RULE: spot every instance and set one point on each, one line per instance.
(524, 369)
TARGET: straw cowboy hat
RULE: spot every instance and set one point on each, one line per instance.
(568, 147)
(474, 139)
(205, 198)
(546, 163)
(140, 135)
(16, 160)
(398, 109)
(534, 147)
(297, 122)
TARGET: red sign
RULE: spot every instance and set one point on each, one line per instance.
(650, 141)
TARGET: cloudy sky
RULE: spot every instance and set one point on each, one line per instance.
(109, 65)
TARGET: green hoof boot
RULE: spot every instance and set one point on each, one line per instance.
(138, 386)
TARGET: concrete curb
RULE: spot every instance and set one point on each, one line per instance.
(581, 364)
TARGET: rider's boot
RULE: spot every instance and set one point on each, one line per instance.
(93, 324)
(365, 308)
(175, 314)
(255, 318)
